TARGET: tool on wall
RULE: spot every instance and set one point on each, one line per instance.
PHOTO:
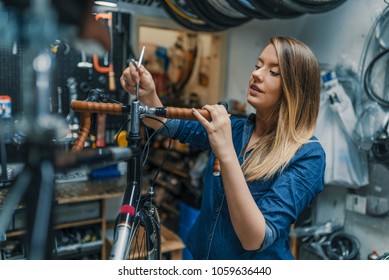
(109, 69)
(71, 118)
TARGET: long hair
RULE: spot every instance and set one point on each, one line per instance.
(295, 114)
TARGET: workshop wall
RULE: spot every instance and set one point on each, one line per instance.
(335, 37)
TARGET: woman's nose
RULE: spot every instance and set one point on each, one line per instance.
(257, 75)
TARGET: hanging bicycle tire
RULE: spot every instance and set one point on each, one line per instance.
(245, 7)
(145, 242)
(377, 72)
(274, 8)
(191, 59)
(312, 6)
(218, 12)
(181, 13)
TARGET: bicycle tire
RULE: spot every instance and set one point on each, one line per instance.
(182, 14)
(145, 242)
(312, 6)
(245, 7)
(368, 84)
(217, 13)
(274, 9)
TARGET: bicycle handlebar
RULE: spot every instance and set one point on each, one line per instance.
(121, 109)
(97, 107)
(87, 107)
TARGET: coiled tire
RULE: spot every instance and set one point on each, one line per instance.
(312, 6)
(245, 7)
(218, 13)
(377, 66)
(342, 246)
(274, 9)
(181, 12)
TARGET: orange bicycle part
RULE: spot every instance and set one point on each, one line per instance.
(96, 65)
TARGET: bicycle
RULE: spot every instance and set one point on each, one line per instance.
(138, 219)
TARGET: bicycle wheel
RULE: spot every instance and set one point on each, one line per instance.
(245, 7)
(180, 12)
(274, 9)
(312, 6)
(145, 242)
(218, 12)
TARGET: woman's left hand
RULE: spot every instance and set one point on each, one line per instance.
(218, 129)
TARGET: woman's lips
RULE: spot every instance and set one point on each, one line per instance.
(255, 88)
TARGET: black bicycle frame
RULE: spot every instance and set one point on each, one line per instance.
(132, 195)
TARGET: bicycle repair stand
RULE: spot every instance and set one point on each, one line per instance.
(36, 27)
(36, 30)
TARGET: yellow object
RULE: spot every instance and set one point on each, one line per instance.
(121, 139)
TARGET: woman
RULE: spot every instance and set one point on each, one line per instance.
(272, 166)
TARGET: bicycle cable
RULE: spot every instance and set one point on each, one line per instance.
(168, 148)
(147, 144)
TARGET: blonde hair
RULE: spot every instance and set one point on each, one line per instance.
(295, 114)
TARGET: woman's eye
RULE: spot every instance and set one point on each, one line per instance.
(274, 73)
(257, 67)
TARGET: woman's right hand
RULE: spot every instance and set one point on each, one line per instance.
(131, 75)
(147, 92)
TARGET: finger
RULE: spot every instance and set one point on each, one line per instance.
(126, 75)
(134, 73)
(123, 82)
(203, 121)
(214, 111)
(126, 84)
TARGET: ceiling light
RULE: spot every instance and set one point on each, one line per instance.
(112, 4)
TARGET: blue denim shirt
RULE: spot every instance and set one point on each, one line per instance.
(280, 200)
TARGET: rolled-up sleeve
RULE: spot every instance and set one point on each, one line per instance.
(291, 192)
(170, 128)
(191, 132)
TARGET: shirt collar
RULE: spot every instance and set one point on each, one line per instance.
(247, 131)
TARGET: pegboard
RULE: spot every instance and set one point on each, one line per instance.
(66, 60)
(11, 61)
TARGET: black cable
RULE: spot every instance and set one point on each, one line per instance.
(168, 148)
(369, 39)
(147, 144)
(342, 246)
(121, 129)
(368, 84)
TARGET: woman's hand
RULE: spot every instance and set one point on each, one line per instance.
(219, 130)
(147, 92)
(131, 75)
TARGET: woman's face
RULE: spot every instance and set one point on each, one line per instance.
(264, 89)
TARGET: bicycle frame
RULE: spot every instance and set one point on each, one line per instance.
(124, 224)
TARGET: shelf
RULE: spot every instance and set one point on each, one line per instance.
(61, 226)
(77, 253)
(170, 209)
(15, 233)
(79, 223)
(168, 187)
(168, 167)
(68, 197)
(378, 223)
